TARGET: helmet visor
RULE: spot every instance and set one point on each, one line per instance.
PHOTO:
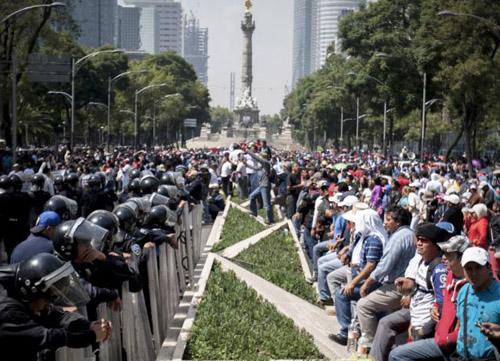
(171, 218)
(84, 231)
(64, 287)
(158, 200)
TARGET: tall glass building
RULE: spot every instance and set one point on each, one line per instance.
(302, 39)
(329, 15)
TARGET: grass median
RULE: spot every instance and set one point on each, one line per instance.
(238, 226)
(275, 259)
(234, 323)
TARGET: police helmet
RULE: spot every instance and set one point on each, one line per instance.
(159, 217)
(65, 207)
(134, 186)
(46, 276)
(58, 180)
(127, 217)
(69, 234)
(94, 182)
(149, 184)
(4, 182)
(16, 182)
(106, 220)
(135, 173)
(72, 179)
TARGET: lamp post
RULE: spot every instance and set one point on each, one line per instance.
(154, 113)
(4, 21)
(423, 76)
(110, 87)
(136, 123)
(380, 82)
(74, 69)
(493, 27)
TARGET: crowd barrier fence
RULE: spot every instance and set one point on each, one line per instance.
(146, 316)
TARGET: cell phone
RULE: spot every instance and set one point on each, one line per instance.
(478, 324)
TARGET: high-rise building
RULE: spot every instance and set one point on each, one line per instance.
(196, 47)
(161, 25)
(302, 39)
(330, 12)
(97, 21)
(128, 35)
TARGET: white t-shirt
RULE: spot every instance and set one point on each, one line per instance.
(226, 169)
(251, 163)
(242, 169)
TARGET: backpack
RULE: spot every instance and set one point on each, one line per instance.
(428, 277)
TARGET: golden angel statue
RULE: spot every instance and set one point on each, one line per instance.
(248, 5)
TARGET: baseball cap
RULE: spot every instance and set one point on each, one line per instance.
(335, 198)
(447, 226)
(475, 254)
(455, 244)
(473, 186)
(452, 198)
(483, 184)
(46, 219)
(349, 201)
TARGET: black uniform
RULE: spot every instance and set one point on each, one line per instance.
(39, 198)
(23, 334)
(15, 210)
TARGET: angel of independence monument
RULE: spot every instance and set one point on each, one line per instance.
(246, 112)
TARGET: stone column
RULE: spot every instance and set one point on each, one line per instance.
(248, 27)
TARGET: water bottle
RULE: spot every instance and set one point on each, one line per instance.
(286, 231)
(352, 337)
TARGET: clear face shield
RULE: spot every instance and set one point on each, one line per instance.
(179, 180)
(71, 205)
(158, 200)
(171, 217)
(84, 231)
(64, 287)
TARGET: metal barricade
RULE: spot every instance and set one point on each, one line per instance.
(154, 296)
(188, 246)
(137, 336)
(111, 350)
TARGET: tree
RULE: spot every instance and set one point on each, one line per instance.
(219, 118)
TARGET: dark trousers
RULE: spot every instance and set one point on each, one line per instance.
(291, 205)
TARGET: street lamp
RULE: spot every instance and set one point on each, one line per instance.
(110, 85)
(74, 69)
(342, 115)
(136, 125)
(379, 82)
(493, 27)
(423, 76)
(18, 13)
(154, 112)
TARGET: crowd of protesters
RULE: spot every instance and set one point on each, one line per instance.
(405, 253)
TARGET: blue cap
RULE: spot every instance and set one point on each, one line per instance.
(46, 219)
(447, 226)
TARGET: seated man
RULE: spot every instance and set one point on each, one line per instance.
(445, 338)
(427, 283)
(478, 308)
(373, 236)
(330, 262)
(398, 252)
(39, 241)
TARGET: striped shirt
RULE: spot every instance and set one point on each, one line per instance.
(371, 251)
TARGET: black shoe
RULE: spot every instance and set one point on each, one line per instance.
(341, 340)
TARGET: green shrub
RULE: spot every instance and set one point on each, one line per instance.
(275, 259)
(238, 226)
(234, 323)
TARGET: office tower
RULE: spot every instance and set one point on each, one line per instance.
(96, 19)
(196, 47)
(303, 39)
(330, 12)
(128, 28)
(161, 25)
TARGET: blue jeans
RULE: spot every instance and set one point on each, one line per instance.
(318, 251)
(297, 221)
(265, 192)
(343, 306)
(206, 217)
(253, 182)
(309, 244)
(418, 350)
(326, 264)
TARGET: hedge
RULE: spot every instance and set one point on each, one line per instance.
(234, 323)
(275, 259)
